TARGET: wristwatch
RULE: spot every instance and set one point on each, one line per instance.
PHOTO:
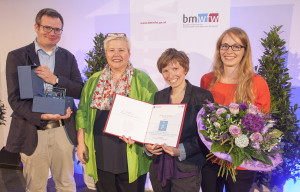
(56, 82)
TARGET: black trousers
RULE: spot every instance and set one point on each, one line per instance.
(188, 184)
(109, 182)
(212, 183)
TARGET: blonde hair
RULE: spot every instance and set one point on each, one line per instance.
(245, 70)
(111, 38)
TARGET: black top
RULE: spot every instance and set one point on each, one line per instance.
(111, 155)
(194, 97)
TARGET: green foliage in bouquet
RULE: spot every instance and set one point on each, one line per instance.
(2, 112)
(96, 57)
(243, 134)
(274, 70)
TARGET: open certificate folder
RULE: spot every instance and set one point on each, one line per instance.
(144, 122)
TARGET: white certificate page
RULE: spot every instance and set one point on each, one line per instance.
(144, 122)
(129, 117)
(165, 124)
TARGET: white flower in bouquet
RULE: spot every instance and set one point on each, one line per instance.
(242, 141)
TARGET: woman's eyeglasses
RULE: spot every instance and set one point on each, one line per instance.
(225, 47)
(115, 35)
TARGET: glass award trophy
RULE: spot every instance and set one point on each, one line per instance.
(55, 92)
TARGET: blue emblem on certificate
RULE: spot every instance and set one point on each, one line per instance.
(163, 125)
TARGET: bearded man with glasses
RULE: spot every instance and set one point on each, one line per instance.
(44, 140)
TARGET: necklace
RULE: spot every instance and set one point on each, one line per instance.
(178, 97)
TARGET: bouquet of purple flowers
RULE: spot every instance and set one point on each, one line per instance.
(239, 135)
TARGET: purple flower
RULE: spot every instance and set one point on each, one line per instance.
(211, 106)
(216, 124)
(234, 108)
(253, 122)
(213, 119)
(255, 145)
(224, 137)
(204, 115)
(220, 111)
(243, 106)
(256, 137)
(268, 117)
(261, 114)
(268, 138)
(265, 130)
(228, 116)
(267, 127)
(253, 109)
(235, 130)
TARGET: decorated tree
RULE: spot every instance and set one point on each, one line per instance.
(96, 57)
(274, 70)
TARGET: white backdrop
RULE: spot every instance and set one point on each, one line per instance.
(83, 19)
(191, 26)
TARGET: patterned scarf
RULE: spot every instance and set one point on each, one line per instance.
(106, 88)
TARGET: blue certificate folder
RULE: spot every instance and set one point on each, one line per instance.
(32, 87)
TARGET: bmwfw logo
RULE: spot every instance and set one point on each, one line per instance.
(201, 20)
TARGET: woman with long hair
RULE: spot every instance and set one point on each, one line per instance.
(232, 80)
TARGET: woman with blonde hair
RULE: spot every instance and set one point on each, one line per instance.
(231, 80)
(114, 165)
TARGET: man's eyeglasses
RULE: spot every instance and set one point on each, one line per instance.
(48, 29)
(225, 47)
(115, 35)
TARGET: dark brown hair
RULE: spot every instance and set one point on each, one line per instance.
(170, 55)
(49, 12)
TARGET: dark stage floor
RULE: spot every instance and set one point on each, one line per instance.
(12, 180)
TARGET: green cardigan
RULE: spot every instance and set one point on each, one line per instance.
(143, 89)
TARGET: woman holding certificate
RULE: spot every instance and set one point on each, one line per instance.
(179, 169)
(114, 165)
(233, 79)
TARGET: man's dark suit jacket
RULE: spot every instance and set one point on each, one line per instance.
(195, 150)
(22, 135)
